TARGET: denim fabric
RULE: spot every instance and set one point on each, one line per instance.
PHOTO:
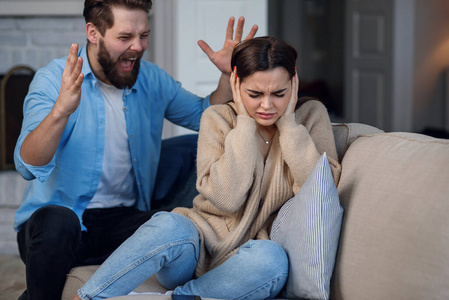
(168, 246)
(168, 243)
(258, 270)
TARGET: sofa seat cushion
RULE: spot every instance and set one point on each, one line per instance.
(394, 242)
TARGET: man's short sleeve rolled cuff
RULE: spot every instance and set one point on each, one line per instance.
(29, 172)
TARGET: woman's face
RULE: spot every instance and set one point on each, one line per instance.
(266, 94)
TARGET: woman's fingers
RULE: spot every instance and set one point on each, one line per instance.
(235, 87)
(294, 96)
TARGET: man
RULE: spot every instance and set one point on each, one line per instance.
(91, 139)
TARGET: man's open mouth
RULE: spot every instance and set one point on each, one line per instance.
(127, 64)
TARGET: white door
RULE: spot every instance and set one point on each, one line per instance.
(379, 63)
(368, 62)
(194, 20)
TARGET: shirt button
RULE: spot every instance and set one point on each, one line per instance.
(131, 136)
(124, 108)
(135, 160)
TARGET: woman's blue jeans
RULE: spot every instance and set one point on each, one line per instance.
(168, 246)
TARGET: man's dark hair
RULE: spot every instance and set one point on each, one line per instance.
(99, 12)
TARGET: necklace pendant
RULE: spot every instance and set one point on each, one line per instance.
(266, 142)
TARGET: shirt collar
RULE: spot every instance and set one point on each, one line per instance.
(86, 66)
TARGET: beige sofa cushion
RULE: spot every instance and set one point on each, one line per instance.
(394, 242)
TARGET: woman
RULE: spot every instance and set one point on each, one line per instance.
(253, 155)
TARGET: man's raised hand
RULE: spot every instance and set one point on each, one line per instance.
(222, 58)
(72, 79)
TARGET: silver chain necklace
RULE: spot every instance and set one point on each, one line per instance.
(266, 142)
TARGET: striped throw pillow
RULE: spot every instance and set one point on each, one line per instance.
(308, 228)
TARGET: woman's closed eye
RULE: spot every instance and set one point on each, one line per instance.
(280, 95)
(253, 93)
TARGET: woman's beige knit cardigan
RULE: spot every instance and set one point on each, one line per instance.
(240, 194)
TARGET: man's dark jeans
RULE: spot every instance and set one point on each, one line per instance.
(51, 241)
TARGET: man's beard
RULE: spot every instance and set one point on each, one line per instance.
(111, 68)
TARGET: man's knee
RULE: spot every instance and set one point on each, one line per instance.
(55, 223)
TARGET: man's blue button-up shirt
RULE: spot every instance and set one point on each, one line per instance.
(72, 177)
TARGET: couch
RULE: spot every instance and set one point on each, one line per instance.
(394, 241)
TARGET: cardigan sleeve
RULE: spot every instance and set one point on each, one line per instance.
(304, 137)
(226, 160)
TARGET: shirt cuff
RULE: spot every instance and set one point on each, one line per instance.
(41, 173)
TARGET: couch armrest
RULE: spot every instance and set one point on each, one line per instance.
(346, 133)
